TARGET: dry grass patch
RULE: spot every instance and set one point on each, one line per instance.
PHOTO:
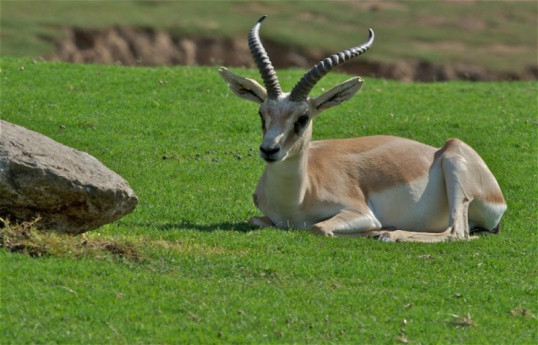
(26, 238)
(463, 321)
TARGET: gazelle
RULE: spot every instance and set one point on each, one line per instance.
(391, 188)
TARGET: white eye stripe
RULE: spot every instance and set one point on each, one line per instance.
(277, 132)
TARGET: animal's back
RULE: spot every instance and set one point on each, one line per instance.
(376, 162)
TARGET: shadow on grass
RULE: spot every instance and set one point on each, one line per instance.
(187, 225)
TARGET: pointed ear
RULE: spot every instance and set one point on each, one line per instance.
(337, 95)
(244, 87)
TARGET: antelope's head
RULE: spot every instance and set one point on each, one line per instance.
(287, 117)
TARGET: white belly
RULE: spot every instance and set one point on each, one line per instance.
(421, 206)
(298, 217)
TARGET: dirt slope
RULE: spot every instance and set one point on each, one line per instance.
(150, 47)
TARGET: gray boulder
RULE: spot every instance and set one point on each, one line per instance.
(69, 190)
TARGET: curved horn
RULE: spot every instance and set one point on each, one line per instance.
(265, 67)
(311, 78)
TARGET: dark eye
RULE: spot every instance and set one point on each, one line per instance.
(302, 120)
(263, 121)
(301, 123)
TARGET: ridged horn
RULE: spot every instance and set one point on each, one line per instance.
(311, 78)
(261, 58)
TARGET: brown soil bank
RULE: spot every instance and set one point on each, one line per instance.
(149, 47)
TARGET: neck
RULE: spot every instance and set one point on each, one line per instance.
(287, 180)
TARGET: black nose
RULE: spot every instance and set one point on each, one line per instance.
(269, 150)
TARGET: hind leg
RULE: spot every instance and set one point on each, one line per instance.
(468, 182)
(473, 195)
(410, 236)
(459, 191)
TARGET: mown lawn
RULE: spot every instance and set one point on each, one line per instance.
(201, 275)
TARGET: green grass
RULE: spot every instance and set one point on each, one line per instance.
(188, 149)
(496, 35)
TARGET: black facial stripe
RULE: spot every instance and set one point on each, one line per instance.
(263, 121)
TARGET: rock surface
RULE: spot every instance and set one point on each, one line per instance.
(69, 190)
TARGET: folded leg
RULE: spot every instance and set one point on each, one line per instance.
(261, 222)
(350, 223)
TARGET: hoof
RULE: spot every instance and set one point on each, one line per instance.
(260, 222)
(320, 231)
(384, 237)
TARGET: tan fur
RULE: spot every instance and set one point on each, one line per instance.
(374, 163)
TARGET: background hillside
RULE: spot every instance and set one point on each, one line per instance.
(415, 40)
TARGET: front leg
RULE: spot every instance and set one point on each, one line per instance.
(261, 222)
(347, 223)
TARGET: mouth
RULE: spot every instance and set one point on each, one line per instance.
(268, 158)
